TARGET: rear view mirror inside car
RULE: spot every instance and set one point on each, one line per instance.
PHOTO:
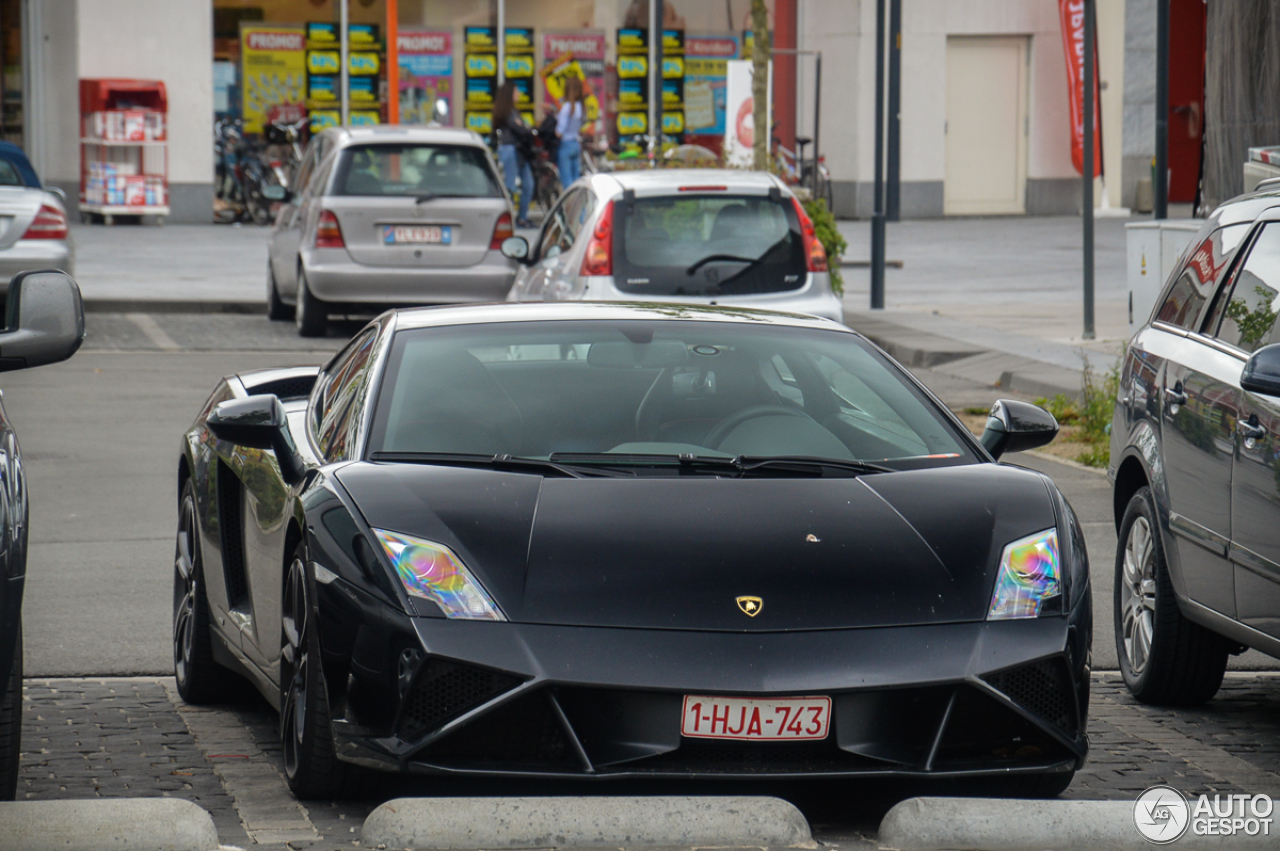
(658, 354)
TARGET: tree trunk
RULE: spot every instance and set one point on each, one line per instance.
(760, 84)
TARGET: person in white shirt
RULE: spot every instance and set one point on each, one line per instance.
(568, 124)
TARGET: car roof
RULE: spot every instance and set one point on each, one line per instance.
(478, 314)
(655, 181)
(398, 134)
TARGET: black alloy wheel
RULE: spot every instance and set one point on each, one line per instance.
(200, 679)
(1164, 658)
(277, 310)
(11, 725)
(311, 315)
(306, 733)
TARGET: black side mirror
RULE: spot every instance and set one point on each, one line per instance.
(44, 320)
(1262, 371)
(517, 248)
(258, 422)
(1017, 426)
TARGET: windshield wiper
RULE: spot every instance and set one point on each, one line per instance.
(511, 463)
(742, 465)
(720, 258)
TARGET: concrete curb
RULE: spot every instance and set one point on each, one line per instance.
(988, 824)
(463, 823)
(107, 824)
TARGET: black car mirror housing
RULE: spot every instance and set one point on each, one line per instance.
(258, 422)
(1017, 426)
(1262, 371)
(44, 320)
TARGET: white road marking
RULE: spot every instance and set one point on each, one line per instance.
(154, 332)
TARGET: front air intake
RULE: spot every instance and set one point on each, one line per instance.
(1042, 688)
(443, 690)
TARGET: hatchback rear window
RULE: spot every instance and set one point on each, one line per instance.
(708, 245)
(457, 171)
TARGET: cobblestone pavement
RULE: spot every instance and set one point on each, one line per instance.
(117, 737)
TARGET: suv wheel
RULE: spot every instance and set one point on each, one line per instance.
(1165, 659)
(311, 314)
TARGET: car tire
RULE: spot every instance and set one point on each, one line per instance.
(311, 765)
(277, 310)
(11, 725)
(310, 314)
(1164, 658)
(200, 679)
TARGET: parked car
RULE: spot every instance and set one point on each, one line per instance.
(34, 234)
(1195, 444)
(597, 540)
(690, 236)
(386, 216)
(46, 325)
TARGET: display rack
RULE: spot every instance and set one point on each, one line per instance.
(124, 149)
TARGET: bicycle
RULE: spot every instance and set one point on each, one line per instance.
(811, 173)
(239, 176)
(284, 148)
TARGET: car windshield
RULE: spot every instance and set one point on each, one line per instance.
(708, 245)
(629, 391)
(459, 171)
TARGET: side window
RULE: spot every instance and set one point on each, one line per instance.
(1186, 298)
(341, 397)
(553, 239)
(309, 160)
(576, 211)
(1251, 307)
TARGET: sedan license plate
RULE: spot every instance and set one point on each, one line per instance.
(775, 719)
(417, 235)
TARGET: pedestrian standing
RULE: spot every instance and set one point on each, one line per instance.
(515, 148)
(568, 125)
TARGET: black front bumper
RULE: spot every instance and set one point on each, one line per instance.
(524, 700)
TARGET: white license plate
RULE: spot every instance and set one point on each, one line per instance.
(417, 234)
(776, 719)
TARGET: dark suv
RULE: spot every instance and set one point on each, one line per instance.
(1195, 463)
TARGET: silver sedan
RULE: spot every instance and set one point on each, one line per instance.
(33, 220)
(385, 217)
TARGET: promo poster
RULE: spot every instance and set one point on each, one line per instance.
(426, 75)
(575, 54)
(739, 139)
(273, 74)
(705, 81)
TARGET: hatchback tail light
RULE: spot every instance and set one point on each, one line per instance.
(49, 223)
(815, 255)
(502, 231)
(598, 259)
(328, 231)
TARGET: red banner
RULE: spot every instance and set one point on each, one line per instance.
(1071, 13)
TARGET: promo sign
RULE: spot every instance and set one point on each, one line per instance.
(739, 138)
(273, 74)
(705, 74)
(426, 75)
(574, 54)
(1071, 15)
(480, 72)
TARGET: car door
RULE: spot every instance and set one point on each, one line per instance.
(1251, 320)
(266, 514)
(563, 279)
(548, 256)
(286, 239)
(1199, 407)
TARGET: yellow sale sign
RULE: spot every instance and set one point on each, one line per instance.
(274, 74)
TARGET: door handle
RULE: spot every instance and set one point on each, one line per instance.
(1175, 396)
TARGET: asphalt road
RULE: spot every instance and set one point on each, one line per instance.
(100, 440)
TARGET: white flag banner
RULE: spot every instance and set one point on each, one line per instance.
(739, 131)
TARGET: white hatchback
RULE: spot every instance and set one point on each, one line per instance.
(699, 236)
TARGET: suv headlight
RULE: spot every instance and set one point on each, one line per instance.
(434, 572)
(1029, 577)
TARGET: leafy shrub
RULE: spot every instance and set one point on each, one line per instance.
(824, 225)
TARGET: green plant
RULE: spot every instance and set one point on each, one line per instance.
(1064, 409)
(1096, 412)
(824, 225)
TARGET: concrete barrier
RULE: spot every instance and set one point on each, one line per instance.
(988, 824)
(450, 824)
(107, 824)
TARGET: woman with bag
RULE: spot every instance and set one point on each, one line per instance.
(515, 145)
(568, 125)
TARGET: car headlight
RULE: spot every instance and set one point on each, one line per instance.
(434, 572)
(1029, 577)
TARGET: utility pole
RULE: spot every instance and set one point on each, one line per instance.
(1087, 186)
(877, 217)
(1160, 180)
(344, 56)
(892, 183)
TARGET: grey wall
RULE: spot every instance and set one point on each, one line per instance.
(52, 91)
(1139, 95)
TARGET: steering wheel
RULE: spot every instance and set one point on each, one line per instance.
(727, 426)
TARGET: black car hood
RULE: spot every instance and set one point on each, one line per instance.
(889, 549)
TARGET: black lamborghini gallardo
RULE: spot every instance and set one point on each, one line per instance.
(617, 540)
